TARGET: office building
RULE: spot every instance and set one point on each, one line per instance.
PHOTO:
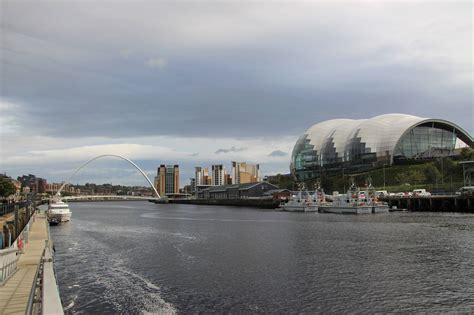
(243, 173)
(218, 175)
(167, 179)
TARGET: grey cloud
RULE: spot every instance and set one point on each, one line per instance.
(271, 76)
(158, 62)
(232, 149)
(277, 153)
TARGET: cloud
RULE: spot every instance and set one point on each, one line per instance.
(45, 156)
(126, 52)
(233, 84)
(288, 67)
(158, 62)
(232, 149)
(277, 153)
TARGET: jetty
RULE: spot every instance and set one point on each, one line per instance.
(27, 280)
(446, 203)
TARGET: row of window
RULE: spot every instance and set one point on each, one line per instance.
(419, 142)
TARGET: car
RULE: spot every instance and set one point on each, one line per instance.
(421, 193)
(381, 193)
(465, 191)
(403, 194)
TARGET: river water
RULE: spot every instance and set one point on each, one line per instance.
(139, 257)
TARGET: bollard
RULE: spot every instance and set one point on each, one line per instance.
(20, 244)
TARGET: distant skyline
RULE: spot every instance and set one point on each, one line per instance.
(198, 83)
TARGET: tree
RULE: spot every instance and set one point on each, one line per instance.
(467, 154)
(6, 187)
(282, 181)
(432, 174)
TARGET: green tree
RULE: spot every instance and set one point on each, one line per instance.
(467, 154)
(432, 173)
(282, 181)
(6, 187)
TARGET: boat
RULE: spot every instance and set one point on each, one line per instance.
(354, 201)
(58, 212)
(299, 203)
(377, 206)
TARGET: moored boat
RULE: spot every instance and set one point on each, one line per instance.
(299, 203)
(58, 212)
(354, 201)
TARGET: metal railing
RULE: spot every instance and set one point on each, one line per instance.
(44, 295)
(9, 256)
(7, 208)
(34, 299)
(8, 261)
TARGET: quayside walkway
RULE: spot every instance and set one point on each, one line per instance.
(18, 291)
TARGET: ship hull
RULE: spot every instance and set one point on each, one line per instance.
(299, 208)
(347, 210)
(58, 217)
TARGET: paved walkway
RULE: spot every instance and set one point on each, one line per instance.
(15, 293)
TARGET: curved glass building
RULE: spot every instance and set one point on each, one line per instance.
(356, 145)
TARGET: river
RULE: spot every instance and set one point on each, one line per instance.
(139, 258)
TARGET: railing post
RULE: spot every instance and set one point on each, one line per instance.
(17, 222)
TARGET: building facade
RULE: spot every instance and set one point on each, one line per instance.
(167, 179)
(243, 173)
(218, 175)
(201, 176)
(54, 187)
(237, 191)
(359, 145)
(36, 184)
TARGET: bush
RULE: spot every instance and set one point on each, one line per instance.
(6, 187)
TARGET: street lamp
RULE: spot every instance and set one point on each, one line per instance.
(384, 176)
(343, 180)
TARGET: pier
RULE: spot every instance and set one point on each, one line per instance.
(448, 203)
(28, 281)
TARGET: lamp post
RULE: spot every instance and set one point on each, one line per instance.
(442, 172)
(384, 176)
(343, 180)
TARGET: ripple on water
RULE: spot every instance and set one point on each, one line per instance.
(170, 258)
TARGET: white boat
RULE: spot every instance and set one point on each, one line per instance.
(299, 203)
(354, 202)
(58, 211)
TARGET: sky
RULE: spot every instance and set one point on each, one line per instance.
(198, 83)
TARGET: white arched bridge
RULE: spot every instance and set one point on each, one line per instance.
(109, 197)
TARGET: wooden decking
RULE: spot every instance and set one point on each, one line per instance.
(15, 293)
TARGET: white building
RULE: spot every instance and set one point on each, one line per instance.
(218, 175)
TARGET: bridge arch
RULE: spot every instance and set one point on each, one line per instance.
(58, 193)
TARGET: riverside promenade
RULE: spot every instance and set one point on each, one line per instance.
(17, 295)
